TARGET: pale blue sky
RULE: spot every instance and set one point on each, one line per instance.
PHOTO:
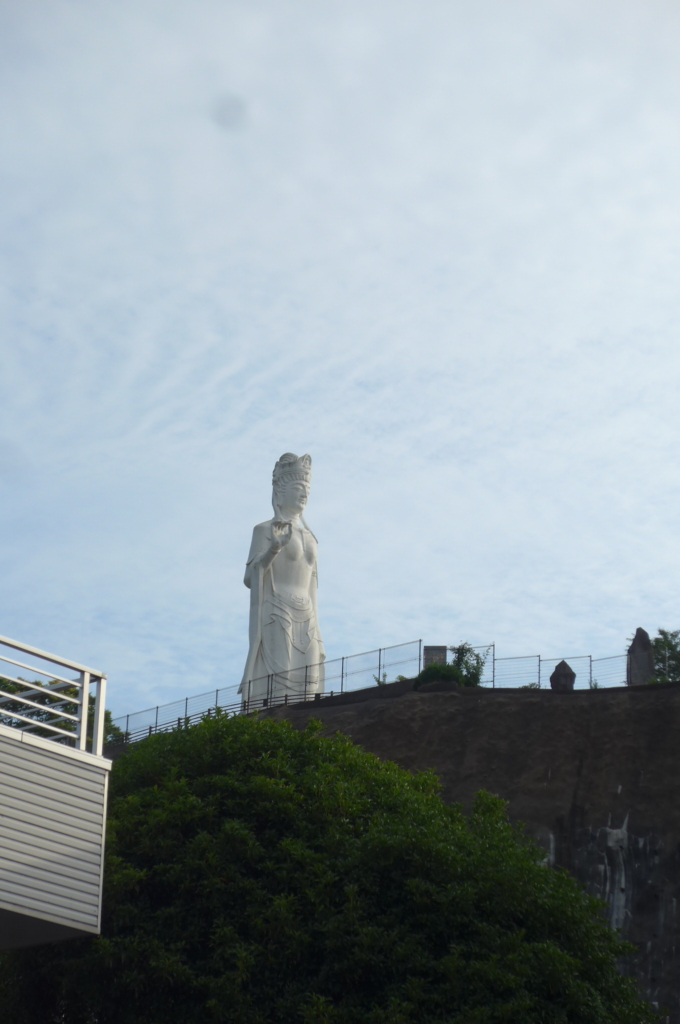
(434, 244)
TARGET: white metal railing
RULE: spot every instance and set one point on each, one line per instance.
(60, 707)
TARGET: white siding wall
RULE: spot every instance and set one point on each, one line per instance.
(52, 816)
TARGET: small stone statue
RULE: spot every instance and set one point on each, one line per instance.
(286, 650)
(640, 666)
(563, 678)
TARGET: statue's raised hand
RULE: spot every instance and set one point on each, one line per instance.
(281, 534)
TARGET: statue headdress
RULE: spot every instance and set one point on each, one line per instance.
(290, 467)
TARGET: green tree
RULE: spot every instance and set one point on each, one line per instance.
(666, 648)
(469, 662)
(260, 875)
(112, 734)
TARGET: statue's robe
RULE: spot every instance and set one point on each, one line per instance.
(286, 651)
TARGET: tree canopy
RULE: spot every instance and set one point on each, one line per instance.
(261, 875)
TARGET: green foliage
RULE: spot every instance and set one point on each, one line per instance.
(383, 681)
(465, 668)
(470, 662)
(112, 734)
(436, 673)
(260, 875)
(666, 648)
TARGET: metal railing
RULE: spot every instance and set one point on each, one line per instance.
(357, 672)
(341, 675)
(535, 671)
(59, 706)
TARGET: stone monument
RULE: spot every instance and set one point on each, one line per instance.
(434, 656)
(640, 666)
(563, 678)
(286, 651)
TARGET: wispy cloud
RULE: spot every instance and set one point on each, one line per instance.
(434, 245)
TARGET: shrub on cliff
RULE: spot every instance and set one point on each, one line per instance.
(465, 668)
(260, 875)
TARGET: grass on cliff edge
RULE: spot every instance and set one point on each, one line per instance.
(260, 875)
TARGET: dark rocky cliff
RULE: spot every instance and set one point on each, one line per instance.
(594, 775)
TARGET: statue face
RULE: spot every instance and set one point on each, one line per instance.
(292, 496)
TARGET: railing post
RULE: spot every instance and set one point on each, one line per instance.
(127, 730)
(539, 670)
(305, 682)
(99, 717)
(217, 697)
(420, 655)
(342, 676)
(84, 710)
(590, 676)
(156, 726)
(186, 707)
(493, 666)
(379, 666)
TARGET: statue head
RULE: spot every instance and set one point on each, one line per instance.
(290, 483)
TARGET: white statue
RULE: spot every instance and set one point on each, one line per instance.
(286, 650)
